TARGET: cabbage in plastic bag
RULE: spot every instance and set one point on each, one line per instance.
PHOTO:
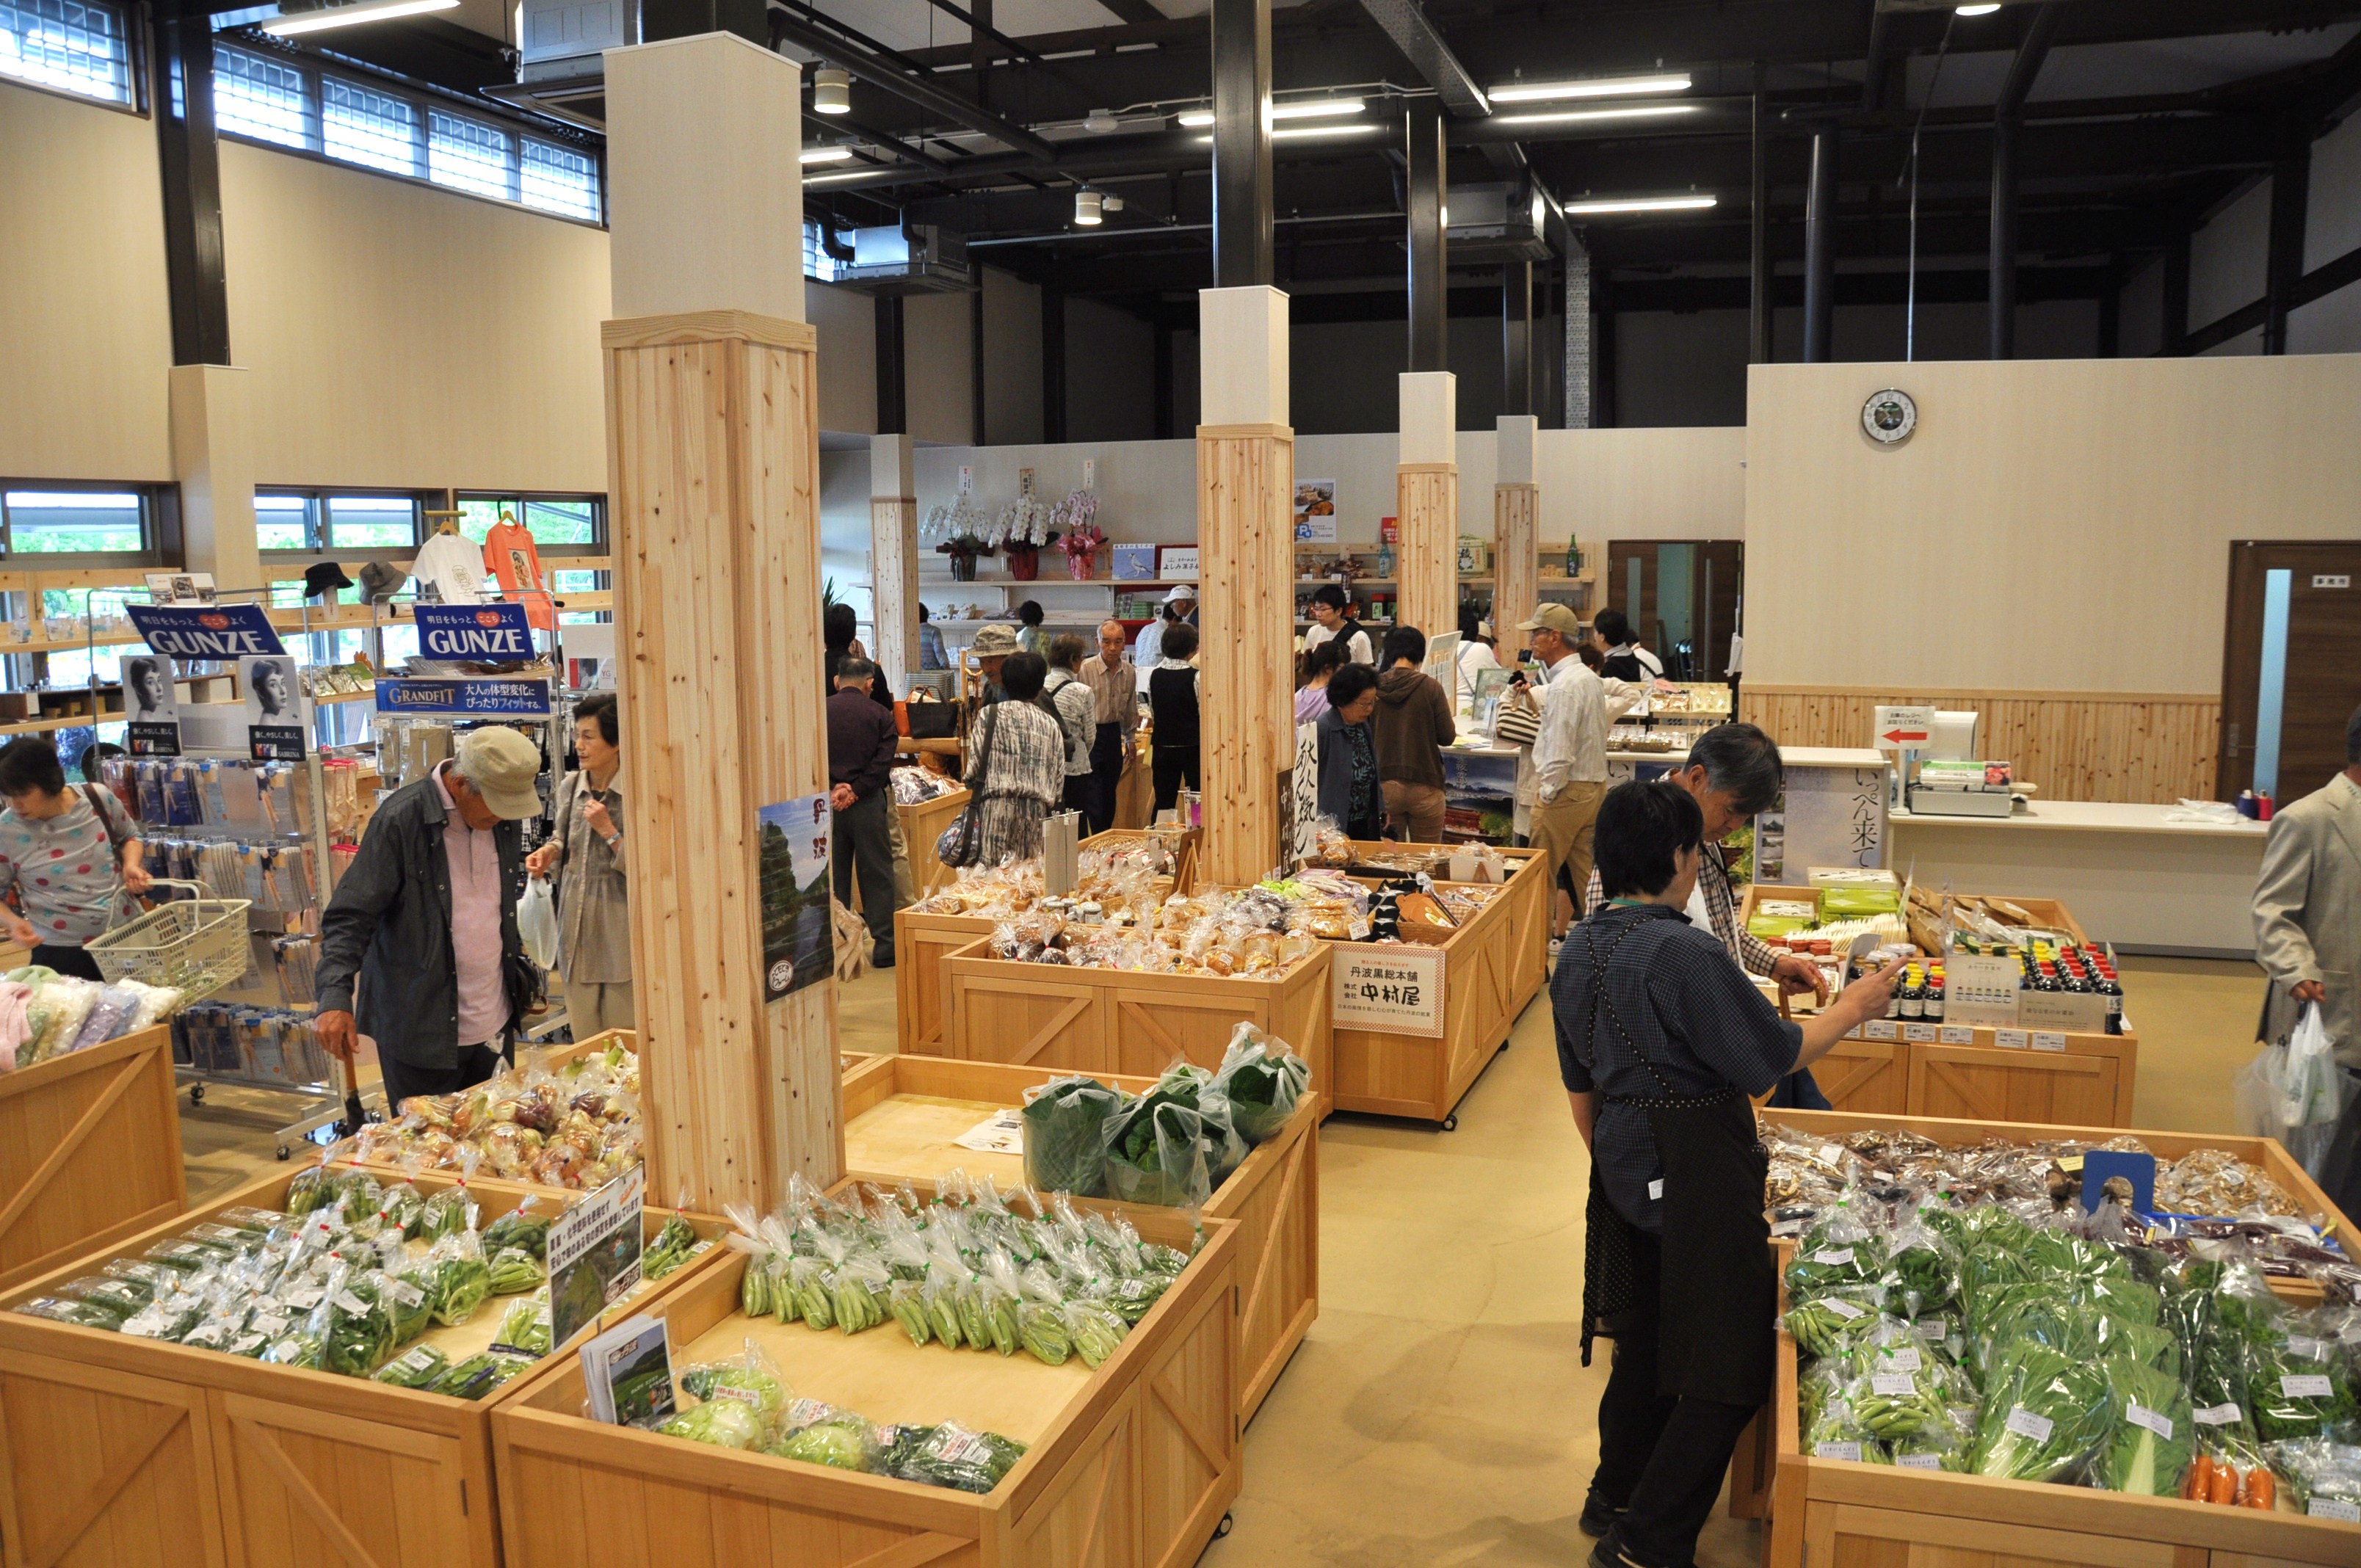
(1261, 1080)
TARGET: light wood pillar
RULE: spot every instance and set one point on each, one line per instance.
(893, 554)
(1426, 503)
(713, 493)
(1246, 558)
(213, 459)
(1516, 529)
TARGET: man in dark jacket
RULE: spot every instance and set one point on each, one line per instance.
(860, 737)
(1413, 723)
(424, 920)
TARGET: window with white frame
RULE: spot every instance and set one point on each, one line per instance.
(471, 155)
(69, 45)
(559, 180)
(361, 124)
(266, 99)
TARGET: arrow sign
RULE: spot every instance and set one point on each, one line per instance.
(1904, 737)
(1904, 726)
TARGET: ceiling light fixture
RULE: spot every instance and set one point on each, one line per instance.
(1302, 109)
(826, 154)
(831, 91)
(328, 16)
(1596, 87)
(1976, 10)
(1099, 122)
(1641, 204)
(1295, 133)
(1573, 116)
(1090, 207)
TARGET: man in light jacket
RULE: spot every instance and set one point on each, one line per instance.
(1570, 752)
(2308, 937)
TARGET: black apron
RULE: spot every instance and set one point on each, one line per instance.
(1719, 1290)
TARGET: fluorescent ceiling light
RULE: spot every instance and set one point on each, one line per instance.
(1596, 87)
(826, 154)
(1294, 133)
(1303, 109)
(1571, 117)
(1640, 204)
(350, 15)
(1977, 10)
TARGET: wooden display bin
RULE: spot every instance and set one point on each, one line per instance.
(126, 1451)
(902, 1113)
(1103, 1020)
(1492, 967)
(90, 1152)
(1134, 1464)
(1962, 1070)
(921, 825)
(1767, 1474)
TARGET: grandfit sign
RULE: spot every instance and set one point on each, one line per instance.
(205, 631)
(494, 633)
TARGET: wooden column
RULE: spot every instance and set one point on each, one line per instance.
(1246, 557)
(713, 493)
(1516, 529)
(893, 554)
(1426, 503)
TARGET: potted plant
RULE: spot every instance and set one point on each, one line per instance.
(1084, 536)
(1024, 528)
(959, 531)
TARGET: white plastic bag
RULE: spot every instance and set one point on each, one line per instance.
(2293, 1092)
(537, 922)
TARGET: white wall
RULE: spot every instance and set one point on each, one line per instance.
(938, 359)
(847, 325)
(85, 326)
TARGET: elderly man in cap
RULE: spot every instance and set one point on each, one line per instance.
(1569, 756)
(1179, 605)
(423, 925)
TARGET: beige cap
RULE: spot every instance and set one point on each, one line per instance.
(501, 765)
(1556, 618)
(994, 641)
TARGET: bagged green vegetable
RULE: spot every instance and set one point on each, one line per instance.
(750, 1380)
(1840, 1250)
(409, 1305)
(1262, 1081)
(840, 1440)
(355, 1330)
(462, 1279)
(1155, 1153)
(513, 1270)
(2301, 1387)
(525, 1227)
(1827, 1323)
(2324, 1478)
(525, 1325)
(417, 1367)
(948, 1455)
(1064, 1150)
(1925, 1270)
(479, 1374)
(674, 1245)
(725, 1423)
(2045, 1416)
(2154, 1438)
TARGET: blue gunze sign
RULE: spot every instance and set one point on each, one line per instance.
(491, 631)
(464, 698)
(205, 631)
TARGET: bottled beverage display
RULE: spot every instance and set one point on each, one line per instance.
(2073, 968)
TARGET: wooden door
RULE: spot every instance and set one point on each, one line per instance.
(2322, 683)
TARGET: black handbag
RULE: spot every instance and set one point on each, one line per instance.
(961, 843)
(931, 720)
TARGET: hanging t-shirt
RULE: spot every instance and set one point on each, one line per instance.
(510, 555)
(451, 566)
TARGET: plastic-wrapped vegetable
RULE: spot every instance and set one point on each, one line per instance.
(839, 1439)
(1837, 1431)
(2045, 1415)
(1096, 1332)
(525, 1325)
(2324, 1478)
(723, 1422)
(750, 1380)
(444, 1212)
(462, 1278)
(417, 1367)
(1262, 1081)
(948, 1455)
(674, 1245)
(1840, 1250)
(514, 1270)
(1828, 1322)
(2301, 1387)
(479, 1374)
(1064, 1150)
(526, 1227)
(1155, 1153)
(408, 1306)
(1926, 1270)
(2154, 1439)
(856, 1290)
(356, 1331)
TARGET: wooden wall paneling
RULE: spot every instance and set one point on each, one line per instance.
(714, 500)
(1516, 561)
(1426, 560)
(90, 1152)
(1246, 542)
(2142, 747)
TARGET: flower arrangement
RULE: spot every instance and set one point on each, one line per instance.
(1025, 527)
(959, 531)
(1084, 536)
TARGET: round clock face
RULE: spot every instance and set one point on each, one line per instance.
(1889, 417)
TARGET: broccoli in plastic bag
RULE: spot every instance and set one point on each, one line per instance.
(1156, 1153)
(948, 1455)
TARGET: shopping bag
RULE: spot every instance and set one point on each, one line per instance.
(855, 945)
(537, 922)
(2293, 1092)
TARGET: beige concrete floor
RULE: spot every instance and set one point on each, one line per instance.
(1438, 1413)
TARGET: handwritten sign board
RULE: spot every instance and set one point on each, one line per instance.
(1397, 991)
(594, 1254)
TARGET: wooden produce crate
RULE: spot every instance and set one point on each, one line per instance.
(90, 1152)
(901, 1115)
(1492, 967)
(126, 1451)
(1100, 1020)
(1134, 1464)
(1978, 1072)
(921, 825)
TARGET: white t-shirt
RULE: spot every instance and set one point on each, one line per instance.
(1473, 656)
(1358, 650)
(454, 564)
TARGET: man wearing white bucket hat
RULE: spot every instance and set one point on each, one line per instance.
(1179, 605)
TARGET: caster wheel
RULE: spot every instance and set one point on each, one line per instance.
(283, 1151)
(1504, 1047)
(1449, 1123)
(196, 1094)
(1223, 1528)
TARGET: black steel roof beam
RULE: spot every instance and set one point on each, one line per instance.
(1424, 45)
(880, 73)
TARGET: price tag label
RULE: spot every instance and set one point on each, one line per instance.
(1788, 1228)
(1921, 1033)
(1844, 1308)
(1881, 1029)
(2025, 1424)
(1918, 1461)
(1833, 1256)
(1890, 1382)
(2220, 1416)
(2048, 1040)
(2141, 1416)
(1902, 1360)
(743, 1396)
(1828, 1154)
(2334, 1508)
(2304, 1386)
(1956, 1035)
(1837, 1450)
(1932, 1328)
(802, 1412)
(2009, 1039)
(401, 1290)
(353, 1306)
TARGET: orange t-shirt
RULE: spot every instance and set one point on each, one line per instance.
(510, 556)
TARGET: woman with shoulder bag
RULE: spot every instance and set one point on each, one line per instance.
(594, 924)
(1016, 776)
